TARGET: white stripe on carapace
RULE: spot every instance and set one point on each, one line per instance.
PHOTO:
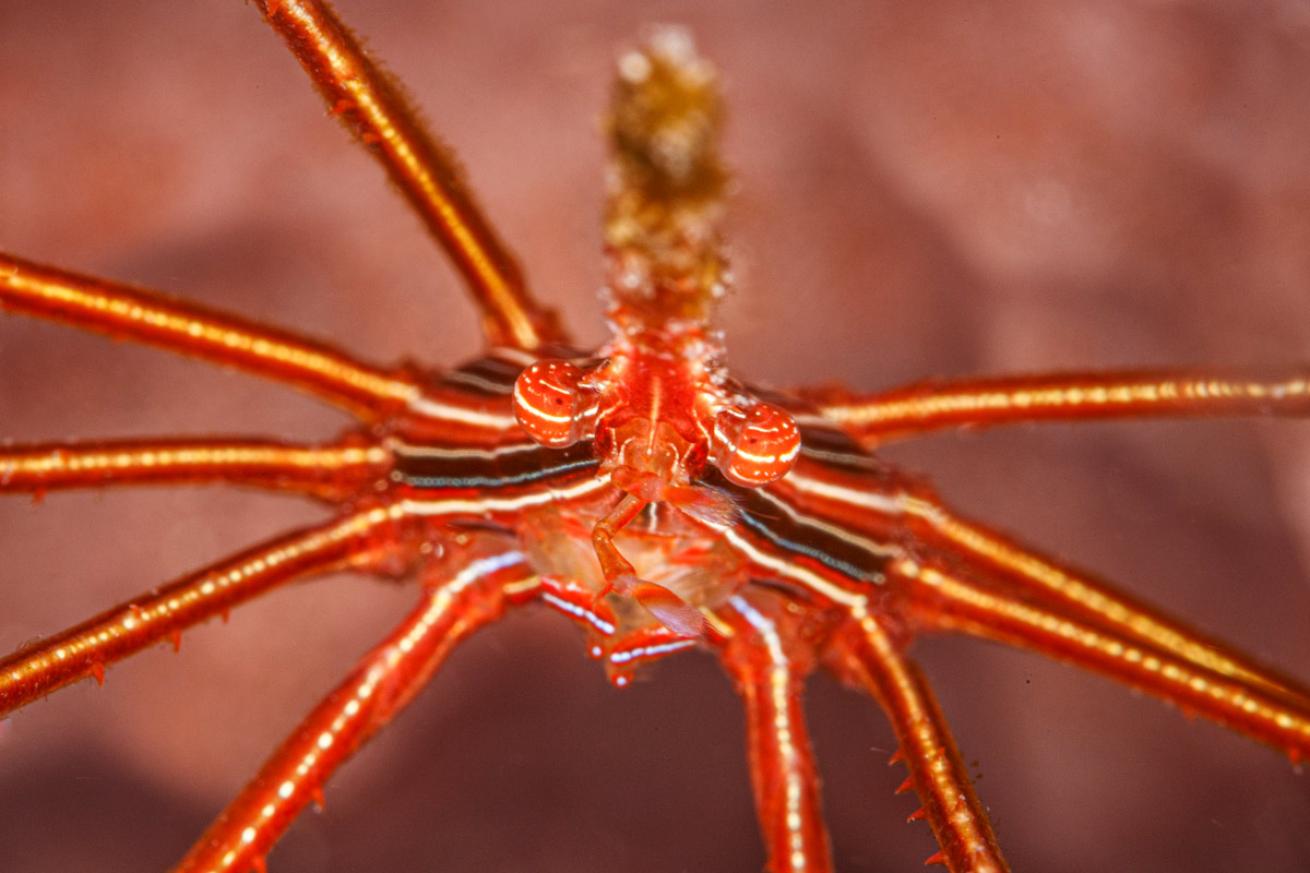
(656, 401)
(511, 355)
(842, 494)
(401, 447)
(428, 407)
(856, 603)
(504, 504)
(833, 530)
(460, 377)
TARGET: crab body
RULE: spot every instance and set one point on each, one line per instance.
(659, 507)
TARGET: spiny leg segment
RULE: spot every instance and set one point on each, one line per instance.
(867, 655)
(1027, 601)
(358, 540)
(381, 685)
(373, 107)
(864, 651)
(928, 406)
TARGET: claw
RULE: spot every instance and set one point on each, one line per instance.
(710, 506)
(671, 610)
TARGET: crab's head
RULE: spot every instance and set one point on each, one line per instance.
(658, 411)
(659, 403)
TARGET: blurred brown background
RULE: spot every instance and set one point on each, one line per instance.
(931, 188)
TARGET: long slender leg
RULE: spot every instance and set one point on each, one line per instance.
(942, 601)
(783, 774)
(120, 311)
(378, 688)
(866, 654)
(374, 109)
(992, 554)
(881, 508)
(88, 648)
(928, 406)
(330, 471)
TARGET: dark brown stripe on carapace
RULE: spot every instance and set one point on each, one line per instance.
(509, 465)
(493, 375)
(828, 445)
(770, 517)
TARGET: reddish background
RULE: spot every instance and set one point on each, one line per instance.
(935, 188)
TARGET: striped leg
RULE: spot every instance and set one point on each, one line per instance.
(374, 109)
(379, 687)
(942, 601)
(782, 763)
(880, 508)
(928, 406)
(330, 472)
(87, 649)
(992, 555)
(866, 655)
(120, 311)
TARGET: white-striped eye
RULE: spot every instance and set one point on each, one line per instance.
(756, 446)
(549, 403)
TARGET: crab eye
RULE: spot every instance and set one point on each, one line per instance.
(548, 403)
(757, 446)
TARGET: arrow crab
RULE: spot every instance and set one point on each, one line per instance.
(740, 501)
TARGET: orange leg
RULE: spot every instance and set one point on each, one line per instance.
(331, 472)
(88, 648)
(120, 311)
(866, 655)
(380, 686)
(612, 562)
(928, 406)
(783, 773)
(941, 601)
(374, 109)
(992, 555)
